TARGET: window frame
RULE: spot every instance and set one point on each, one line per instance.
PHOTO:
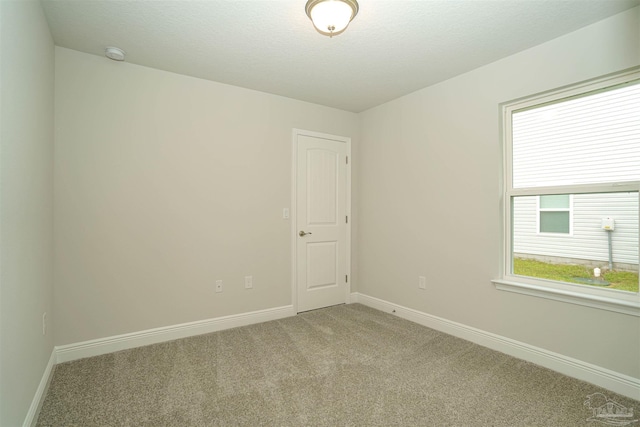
(540, 210)
(601, 298)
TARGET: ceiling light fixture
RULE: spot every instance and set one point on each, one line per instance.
(331, 17)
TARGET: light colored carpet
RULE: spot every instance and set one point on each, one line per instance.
(347, 365)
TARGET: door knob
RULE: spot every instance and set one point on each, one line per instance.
(303, 233)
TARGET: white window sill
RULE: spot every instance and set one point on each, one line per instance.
(624, 306)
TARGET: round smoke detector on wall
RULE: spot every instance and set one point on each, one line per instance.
(114, 53)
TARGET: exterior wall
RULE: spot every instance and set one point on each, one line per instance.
(430, 196)
(589, 241)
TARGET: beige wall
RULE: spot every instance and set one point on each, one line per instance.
(430, 197)
(163, 184)
(26, 204)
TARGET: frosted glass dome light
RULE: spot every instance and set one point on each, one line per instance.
(331, 17)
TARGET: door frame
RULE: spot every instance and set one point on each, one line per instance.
(294, 210)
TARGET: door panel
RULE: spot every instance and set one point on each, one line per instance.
(322, 193)
(322, 262)
(321, 209)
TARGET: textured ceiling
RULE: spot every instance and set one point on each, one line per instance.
(393, 47)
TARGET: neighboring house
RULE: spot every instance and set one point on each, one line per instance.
(568, 229)
(582, 142)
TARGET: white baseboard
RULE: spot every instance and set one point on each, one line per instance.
(38, 399)
(66, 353)
(611, 380)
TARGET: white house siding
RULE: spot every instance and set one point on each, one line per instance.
(589, 240)
(588, 140)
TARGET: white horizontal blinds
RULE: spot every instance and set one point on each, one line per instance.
(587, 140)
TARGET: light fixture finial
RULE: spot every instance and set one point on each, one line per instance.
(331, 17)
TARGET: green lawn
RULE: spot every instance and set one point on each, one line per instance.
(623, 280)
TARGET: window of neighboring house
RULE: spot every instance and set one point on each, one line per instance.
(554, 213)
(572, 160)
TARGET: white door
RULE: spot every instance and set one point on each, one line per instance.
(322, 231)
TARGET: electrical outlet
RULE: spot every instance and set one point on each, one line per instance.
(218, 285)
(248, 282)
(44, 323)
(422, 282)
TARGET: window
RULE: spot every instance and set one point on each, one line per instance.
(571, 194)
(554, 213)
